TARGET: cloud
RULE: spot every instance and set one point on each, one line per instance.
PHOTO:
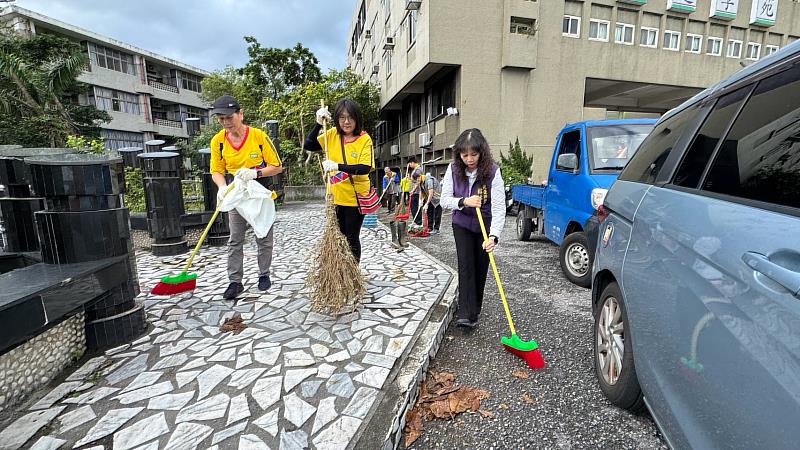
(209, 33)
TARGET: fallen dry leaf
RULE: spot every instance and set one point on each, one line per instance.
(235, 324)
(520, 374)
(414, 427)
(443, 377)
(527, 398)
(503, 406)
(486, 413)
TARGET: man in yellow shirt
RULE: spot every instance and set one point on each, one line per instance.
(247, 153)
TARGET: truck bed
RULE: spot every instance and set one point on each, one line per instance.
(531, 195)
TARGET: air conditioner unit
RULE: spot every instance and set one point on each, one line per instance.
(388, 43)
(375, 69)
(358, 56)
(424, 140)
(413, 4)
(367, 34)
(394, 150)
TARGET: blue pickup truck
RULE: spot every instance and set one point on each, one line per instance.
(587, 158)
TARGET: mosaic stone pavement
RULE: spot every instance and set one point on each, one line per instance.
(293, 379)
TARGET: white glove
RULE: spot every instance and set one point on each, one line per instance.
(329, 166)
(323, 114)
(221, 194)
(246, 174)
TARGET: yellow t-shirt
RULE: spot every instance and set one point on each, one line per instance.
(248, 154)
(358, 151)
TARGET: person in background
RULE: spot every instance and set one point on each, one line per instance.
(415, 191)
(248, 154)
(348, 167)
(405, 185)
(473, 181)
(391, 188)
(433, 206)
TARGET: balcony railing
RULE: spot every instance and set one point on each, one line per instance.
(168, 123)
(162, 86)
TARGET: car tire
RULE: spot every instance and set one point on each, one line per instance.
(524, 224)
(619, 385)
(575, 261)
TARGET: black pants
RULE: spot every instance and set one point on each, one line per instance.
(350, 221)
(414, 206)
(391, 199)
(434, 216)
(473, 266)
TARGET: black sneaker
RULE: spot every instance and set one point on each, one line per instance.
(233, 290)
(264, 282)
(466, 323)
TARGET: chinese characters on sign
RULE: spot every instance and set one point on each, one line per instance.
(764, 12)
(724, 9)
(687, 6)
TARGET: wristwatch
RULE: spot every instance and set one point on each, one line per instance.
(461, 202)
(496, 241)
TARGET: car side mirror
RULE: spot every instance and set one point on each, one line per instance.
(567, 161)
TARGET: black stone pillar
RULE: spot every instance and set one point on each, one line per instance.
(85, 221)
(129, 156)
(219, 232)
(276, 182)
(164, 200)
(17, 208)
(153, 145)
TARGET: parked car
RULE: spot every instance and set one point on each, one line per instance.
(587, 158)
(696, 279)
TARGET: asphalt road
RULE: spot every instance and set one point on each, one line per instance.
(565, 407)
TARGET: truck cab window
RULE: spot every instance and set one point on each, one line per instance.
(570, 145)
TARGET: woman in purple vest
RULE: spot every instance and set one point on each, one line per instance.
(472, 181)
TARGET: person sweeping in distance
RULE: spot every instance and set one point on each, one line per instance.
(248, 154)
(433, 206)
(348, 165)
(472, 171)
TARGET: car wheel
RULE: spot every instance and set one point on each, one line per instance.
(575, 262)
(524, 224)
(613, 354)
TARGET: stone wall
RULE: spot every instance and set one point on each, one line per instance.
(38, 361)
(303, 193)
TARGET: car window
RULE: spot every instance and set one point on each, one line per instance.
(611, 146)
(570, 143)
(760, 157)
(700, 151)
(655, 149)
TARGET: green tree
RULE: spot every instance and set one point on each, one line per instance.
(516, 168)
(39, 89)
(229, 81)
(276, 71)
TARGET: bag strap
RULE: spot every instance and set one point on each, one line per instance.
(349, 177)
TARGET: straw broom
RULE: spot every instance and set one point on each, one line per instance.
(334, 279)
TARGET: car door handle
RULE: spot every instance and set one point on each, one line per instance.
(781, 275)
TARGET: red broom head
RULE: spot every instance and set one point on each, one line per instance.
(172, 289)
(533, 358)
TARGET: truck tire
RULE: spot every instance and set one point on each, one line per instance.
(524, 224)
(575, 261)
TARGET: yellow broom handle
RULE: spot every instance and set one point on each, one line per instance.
(496, 275)
(205, 232)
(325, 141)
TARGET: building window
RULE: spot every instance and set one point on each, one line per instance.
(412, 27)
(672, 40)
(714, 46)
(387, 63)
(648, 37)
(571, 27)
(623, 34)
(522, 25)
(694, 43)
(190, 82)
(111, 59)
(111, 100)
(753, 51)
(598, 30)
(115, 139)
(734, 49)
(771, 49)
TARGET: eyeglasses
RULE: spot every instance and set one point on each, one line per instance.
(344, 119)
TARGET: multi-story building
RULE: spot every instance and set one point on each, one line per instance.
(148, 96)
(524, 68)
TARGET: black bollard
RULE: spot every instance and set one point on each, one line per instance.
(85, 222)
(129, 155)
(153, 145)
(219, 234)
(164, 200)
(17, 208)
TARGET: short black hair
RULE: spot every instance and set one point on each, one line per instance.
(353, 110)
(412, 159)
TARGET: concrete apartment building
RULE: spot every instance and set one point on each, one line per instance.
(524, 68)
(148, 96)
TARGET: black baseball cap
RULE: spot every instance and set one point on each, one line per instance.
(225, 105)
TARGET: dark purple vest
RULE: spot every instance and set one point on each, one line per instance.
(466, 216)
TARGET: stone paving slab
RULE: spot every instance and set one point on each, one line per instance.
(293, 379)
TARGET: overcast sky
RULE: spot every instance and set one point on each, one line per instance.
(208, 33)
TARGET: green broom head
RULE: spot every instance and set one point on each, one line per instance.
(179, 278)
(527, 350)
(175, 284)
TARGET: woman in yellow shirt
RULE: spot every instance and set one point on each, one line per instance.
(348, 168)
